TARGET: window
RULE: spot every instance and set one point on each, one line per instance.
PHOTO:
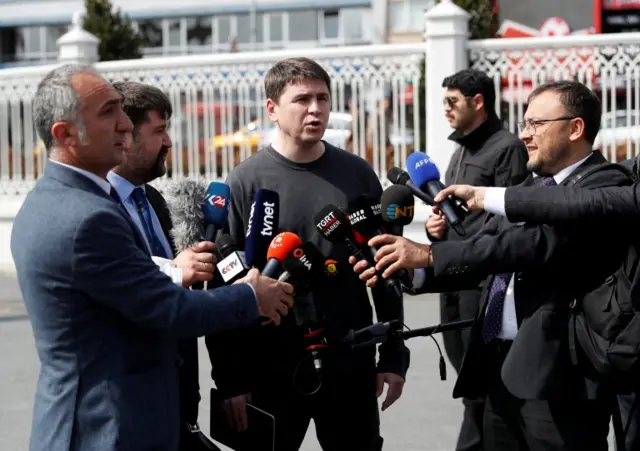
(53, 33)
(173, 37)
(152, 31)
(276, 28)
(303, 26)
(198, 31)
(331, 24)
(408, 15)
(352, 20)
(223, 30)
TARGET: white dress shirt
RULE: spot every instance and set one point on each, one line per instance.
(124, 188)
(509, 327)
(494, 203)
(166, 266)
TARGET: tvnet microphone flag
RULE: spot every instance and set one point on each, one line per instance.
(264, 221)
(397, 207)
(426, 176)
(282, 245)
(184, 201)
(232, 266)
(216, 209)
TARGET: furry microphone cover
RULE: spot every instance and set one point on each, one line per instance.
(184, 200)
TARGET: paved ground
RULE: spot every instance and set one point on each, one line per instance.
(426, 418)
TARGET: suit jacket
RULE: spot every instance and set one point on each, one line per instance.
(106, 322)
(552, 266)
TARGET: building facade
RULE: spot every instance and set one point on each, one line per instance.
(29, 28)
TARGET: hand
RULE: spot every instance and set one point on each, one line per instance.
(236, 411)
(274, 298)
(397, 252)
(436, 224)
(472, 195)
(394, 390)
(198, 263)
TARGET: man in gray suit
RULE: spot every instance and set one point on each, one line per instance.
(106, 322)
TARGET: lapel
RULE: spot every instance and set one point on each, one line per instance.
(159, 205)
(74, 179)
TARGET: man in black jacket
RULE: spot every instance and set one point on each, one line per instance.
(490, 155)
(518, 355)
(149, 109)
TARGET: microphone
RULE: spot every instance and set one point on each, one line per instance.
(215, 209)
(304, 267)
(363, 218)
(397, 208)
(399, 177)
(425, 175)
(262, 227)
(185, 198)
(334, 225)
(281, 246)
(232, 266)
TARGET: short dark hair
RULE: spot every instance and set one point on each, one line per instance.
(579, 101)
(471, 82)
(139, 99)
(292, 70)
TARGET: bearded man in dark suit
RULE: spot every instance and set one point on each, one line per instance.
(149, 109)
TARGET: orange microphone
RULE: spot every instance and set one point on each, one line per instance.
(281, 246)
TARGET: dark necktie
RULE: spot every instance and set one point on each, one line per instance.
(492, 323)
(144, 212)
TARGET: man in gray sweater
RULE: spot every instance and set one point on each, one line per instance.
(308, 174)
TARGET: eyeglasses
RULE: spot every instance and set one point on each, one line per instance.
(532, 124)
(451, 101)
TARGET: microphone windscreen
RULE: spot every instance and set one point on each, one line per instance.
(262, 227)
(397, 176)
(332, 223)
(422, 169)
(216, 204)
(282, 245)
(364, 215)
(398, 205)
(305, 264)
(185, 198)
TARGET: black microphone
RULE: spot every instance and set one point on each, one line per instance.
(334, 226)
(426, 176)
(262, 228)
(399, 177)
(232, 266)
(304, 268)
(364, 216)
(397, 208)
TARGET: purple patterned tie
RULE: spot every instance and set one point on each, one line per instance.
(492, 323)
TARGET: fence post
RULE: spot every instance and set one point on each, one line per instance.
(78, 45)
(446, 34)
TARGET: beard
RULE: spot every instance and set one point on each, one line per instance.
(160, 168)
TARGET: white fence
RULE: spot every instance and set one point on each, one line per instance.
(219, 108)
(219, 116)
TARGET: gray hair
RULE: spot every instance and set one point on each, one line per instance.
(55, 101)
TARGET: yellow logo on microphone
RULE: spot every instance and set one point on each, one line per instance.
(331, 267)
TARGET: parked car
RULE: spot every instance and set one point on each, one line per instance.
(618, 128)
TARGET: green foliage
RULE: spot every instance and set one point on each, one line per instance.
(118, 39)
(483, 23)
